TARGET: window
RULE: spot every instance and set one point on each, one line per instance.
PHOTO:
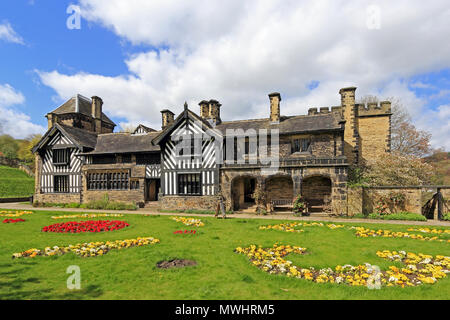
(108, 181)
(189, 184)
(134, 184)
(60, 156)
(148, 158)
(301, 145)
(61, 184)
(104, 159)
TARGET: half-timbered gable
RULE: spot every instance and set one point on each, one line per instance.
(58, 159)
(188, 157)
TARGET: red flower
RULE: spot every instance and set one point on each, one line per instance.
(85, 226)
(13, 220)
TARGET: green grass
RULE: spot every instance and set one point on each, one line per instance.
(406, 216)
(15, 183)
(193, 211)
(220, 273)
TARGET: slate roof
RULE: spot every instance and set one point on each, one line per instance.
(145, 128)
(84, 106)
(289, 125)
(125, 143)
(83, 139)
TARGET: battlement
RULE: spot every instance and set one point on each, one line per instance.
(323, 110)
(374, 109)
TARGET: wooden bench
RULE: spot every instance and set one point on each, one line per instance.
(281, 203)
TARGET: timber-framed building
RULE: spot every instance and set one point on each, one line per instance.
(80, 158)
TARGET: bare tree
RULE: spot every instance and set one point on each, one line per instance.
(406, 139)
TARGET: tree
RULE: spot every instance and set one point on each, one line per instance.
(394, 169)
(8, 146)
(25, 146)
(406, 139)
(127, 128)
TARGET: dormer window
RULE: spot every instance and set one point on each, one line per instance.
(61, 156)
(301, 145)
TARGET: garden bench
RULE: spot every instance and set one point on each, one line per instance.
(281, 203)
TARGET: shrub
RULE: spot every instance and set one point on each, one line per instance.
(398, 216)
(300, 206)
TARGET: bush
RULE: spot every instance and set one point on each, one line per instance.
(300, 206)
(398, 216)
(104, 204)
(446, 217)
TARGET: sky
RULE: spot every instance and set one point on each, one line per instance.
(143, 56)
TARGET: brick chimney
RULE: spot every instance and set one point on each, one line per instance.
(214, 111)
(275, 99)
(349, 113)
(167, 118)
(96, 112)
(204, 109)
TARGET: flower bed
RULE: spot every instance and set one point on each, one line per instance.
(290, 227)
(365, 233)
(419, 268)
(85, 226)
(88, 215)
(189, 221)
(428, 230)
(13, 220)
(90, 249)
(14, 213)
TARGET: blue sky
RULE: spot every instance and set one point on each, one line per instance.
(144, 56)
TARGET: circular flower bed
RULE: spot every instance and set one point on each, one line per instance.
(419, 268)
(85, 226)
(13, 220)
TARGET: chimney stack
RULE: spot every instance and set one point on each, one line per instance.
(204, 109)
(275, 99)
(167, 118)
(214, 111)
(96, 112)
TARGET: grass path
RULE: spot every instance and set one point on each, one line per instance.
(220, 273)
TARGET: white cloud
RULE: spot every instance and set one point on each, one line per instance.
(13, 122)
(238, 52)
(437, 122)
(8, 34)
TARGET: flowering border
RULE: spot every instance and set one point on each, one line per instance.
(420, 268)
(189, 221)
(89, 249)
(14, 213)
(13, 220)
(86, 226)
(88, 215)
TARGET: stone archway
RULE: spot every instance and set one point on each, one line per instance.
(316, 190)
(242, 188)
(280, 187)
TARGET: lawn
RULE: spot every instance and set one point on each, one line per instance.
(220, 273)
(15, 183)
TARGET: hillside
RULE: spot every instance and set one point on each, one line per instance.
(441, 161)
(15, 183)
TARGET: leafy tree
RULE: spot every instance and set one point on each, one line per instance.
(8, 146)
(25, 146)
(393, 169)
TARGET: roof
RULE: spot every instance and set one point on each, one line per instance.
(125, 143)
(84, 107)
(81, 138)
(289, 125)
(145, 128)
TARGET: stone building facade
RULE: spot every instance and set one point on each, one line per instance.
(195, 158)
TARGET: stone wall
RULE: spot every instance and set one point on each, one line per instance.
(364, 200)
(374, 135)
(57, 197)
(188, 202)
(136, 196)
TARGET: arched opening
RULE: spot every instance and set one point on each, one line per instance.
(242, 189)
(280, 190)
(316, 191)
